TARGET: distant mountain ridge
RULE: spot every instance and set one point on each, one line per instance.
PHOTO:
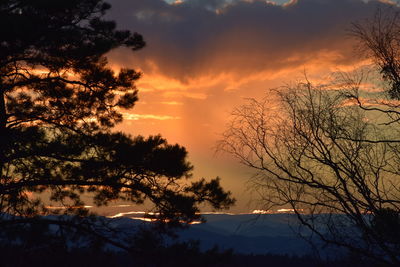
(249, 234)
(278, 234)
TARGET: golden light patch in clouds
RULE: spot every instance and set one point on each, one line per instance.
(271, 2)
(390, 2)
(199, 87)
(156, 80)
(372, 102)
(172, 103)
(135, 117)
(290, 3)
(149, 83)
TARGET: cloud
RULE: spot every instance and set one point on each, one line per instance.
(212, 38)
(173, 103)
(135, 117)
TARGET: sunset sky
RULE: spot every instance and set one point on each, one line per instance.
(205, 57)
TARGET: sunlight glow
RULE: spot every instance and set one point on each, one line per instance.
(135, 117)
(72, 207)
(142, 217)
(289, 210)
(261, 212)
(172, 103)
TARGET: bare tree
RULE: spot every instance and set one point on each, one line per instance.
(332, 152)
(379, 40)
(335, 164)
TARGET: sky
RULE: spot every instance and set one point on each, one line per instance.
(205, 57)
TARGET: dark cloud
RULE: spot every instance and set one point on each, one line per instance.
(206, 37)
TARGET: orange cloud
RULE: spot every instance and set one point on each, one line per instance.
(244, 38)
(135, 117)
(174, 103)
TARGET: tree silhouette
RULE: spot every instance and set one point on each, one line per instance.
(327, 160)
(331, 152)
(58, 104)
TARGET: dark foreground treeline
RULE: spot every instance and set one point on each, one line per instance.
(183, 254)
